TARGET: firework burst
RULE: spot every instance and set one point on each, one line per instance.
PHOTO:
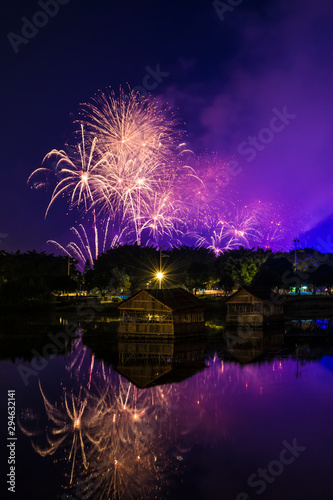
(80, 175)
(219, 241)
(128, 155)
(102, 237)
(129, 168)
(129, 124)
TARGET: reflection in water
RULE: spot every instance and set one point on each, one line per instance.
(246, 343)
(119, 433)
(312, 325)
(117, 437)
(70, 422)
(148, 363)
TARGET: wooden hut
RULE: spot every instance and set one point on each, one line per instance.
(169, 312)
(256, 307)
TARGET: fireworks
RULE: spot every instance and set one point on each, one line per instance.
(272, 227)
(219, 242)
(130, 125)
(244, 227)
(126, 166)
(215, 188)
(87, 249)
(80, 175)
(129, 168)
(139, 143)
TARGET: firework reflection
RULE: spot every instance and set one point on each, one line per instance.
(118, 440)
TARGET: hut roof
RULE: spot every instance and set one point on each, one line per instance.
(258, 292)
(176, 299)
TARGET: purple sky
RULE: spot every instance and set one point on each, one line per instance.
(225, 78)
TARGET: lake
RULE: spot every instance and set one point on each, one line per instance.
(206, 419)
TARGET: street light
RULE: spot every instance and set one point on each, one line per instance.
(159, 276)
(295, 240)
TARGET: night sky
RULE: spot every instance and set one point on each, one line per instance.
(228, 80)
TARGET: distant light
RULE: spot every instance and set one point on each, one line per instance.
(159, 276)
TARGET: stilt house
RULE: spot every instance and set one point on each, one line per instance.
(254, 307)
(169, 312)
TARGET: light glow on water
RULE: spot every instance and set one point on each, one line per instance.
(92, 426)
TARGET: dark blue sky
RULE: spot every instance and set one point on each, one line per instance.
(228, 79)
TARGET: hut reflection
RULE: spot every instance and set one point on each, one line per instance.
(148, 363)
(247, 342)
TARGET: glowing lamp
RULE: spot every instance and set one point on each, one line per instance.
(159, 276)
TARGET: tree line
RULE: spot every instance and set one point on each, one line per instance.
(132, 267)
(32, 275)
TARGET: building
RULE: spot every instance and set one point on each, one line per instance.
(254, 307)
(170, 312)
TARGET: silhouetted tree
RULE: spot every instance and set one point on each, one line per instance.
(271, 273)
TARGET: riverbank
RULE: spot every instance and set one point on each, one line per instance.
(314, 305)
(214, 306)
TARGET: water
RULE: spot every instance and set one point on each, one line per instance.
(168, 420)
